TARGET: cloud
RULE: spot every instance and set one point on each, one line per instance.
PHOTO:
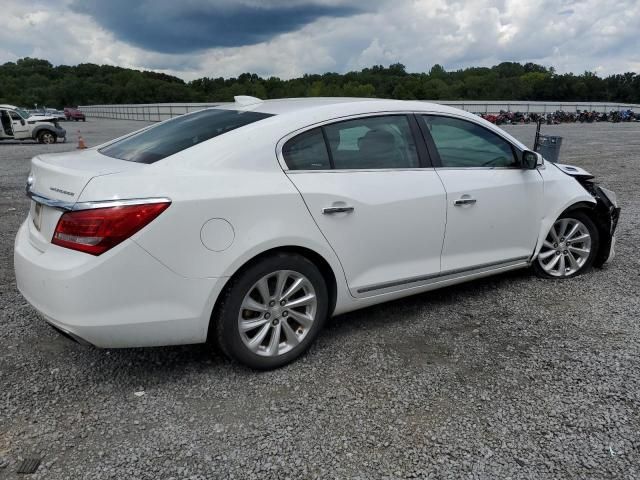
(184, 27)
(324, 35)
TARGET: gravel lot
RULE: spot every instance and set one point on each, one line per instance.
(507, 377)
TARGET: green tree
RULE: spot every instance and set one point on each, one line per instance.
(30, 80)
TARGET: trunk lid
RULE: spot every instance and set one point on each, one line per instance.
(62, 177)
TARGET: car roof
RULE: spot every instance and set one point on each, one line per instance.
(299, 112)
(306, 104)
(13, 107)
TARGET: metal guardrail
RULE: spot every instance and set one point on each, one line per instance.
(150, 112)
(155, 112)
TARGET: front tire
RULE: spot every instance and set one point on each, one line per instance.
(569, 248)
(271, 312)
(47, 137)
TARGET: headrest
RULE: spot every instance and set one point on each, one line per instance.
(376, 141)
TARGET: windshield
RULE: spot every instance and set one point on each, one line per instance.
(23, 113)
(178, 134)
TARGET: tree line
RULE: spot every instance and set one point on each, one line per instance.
(30, 81)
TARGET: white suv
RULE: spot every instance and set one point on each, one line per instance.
(249, 224)
(17, 124)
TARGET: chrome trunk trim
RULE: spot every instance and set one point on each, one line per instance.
(73, 206)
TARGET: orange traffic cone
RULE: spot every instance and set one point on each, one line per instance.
(81, 144)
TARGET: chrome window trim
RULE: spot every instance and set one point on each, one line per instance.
(75, 206)
(479, 168)
(290, 135)
(361, 170)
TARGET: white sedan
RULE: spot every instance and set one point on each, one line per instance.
(247, 225)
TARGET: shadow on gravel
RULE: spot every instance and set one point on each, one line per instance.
(126, 366)
(396, 311)
(159, 365)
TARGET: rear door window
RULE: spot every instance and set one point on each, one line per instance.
(372, 143)
(178, 134)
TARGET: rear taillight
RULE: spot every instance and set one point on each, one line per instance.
(97, 230)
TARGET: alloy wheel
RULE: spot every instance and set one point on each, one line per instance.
(277, 313)
(566, 248)
(47, 138)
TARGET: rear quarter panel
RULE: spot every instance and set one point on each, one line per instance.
(237, 180)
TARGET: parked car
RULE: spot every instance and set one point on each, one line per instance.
(18, 124)
(59, 114)
(47, 112)
(247, 225)
(74, 114)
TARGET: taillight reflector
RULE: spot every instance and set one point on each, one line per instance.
(97, 230)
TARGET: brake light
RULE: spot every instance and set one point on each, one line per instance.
(97, 230)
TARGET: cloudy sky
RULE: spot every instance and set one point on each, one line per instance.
(195, 38)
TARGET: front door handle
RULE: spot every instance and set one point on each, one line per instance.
(332, 210)
(464, 201)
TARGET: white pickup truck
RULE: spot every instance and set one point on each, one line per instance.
(17, 124)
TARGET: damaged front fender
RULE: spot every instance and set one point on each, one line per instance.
(606, 214)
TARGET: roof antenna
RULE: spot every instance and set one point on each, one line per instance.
(246, 100)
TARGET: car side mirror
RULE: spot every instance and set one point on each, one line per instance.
(531, 160)
(22, 122)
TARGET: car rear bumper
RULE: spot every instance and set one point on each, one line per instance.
(123, 298)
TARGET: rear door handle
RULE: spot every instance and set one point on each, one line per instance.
(464, 201)
(332, 210)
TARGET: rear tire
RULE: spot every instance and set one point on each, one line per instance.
(271, 312)
(569, 248)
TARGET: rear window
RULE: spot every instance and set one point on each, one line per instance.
(178, 134)
(307, 151)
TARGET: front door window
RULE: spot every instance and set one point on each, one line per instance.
(464, 144)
